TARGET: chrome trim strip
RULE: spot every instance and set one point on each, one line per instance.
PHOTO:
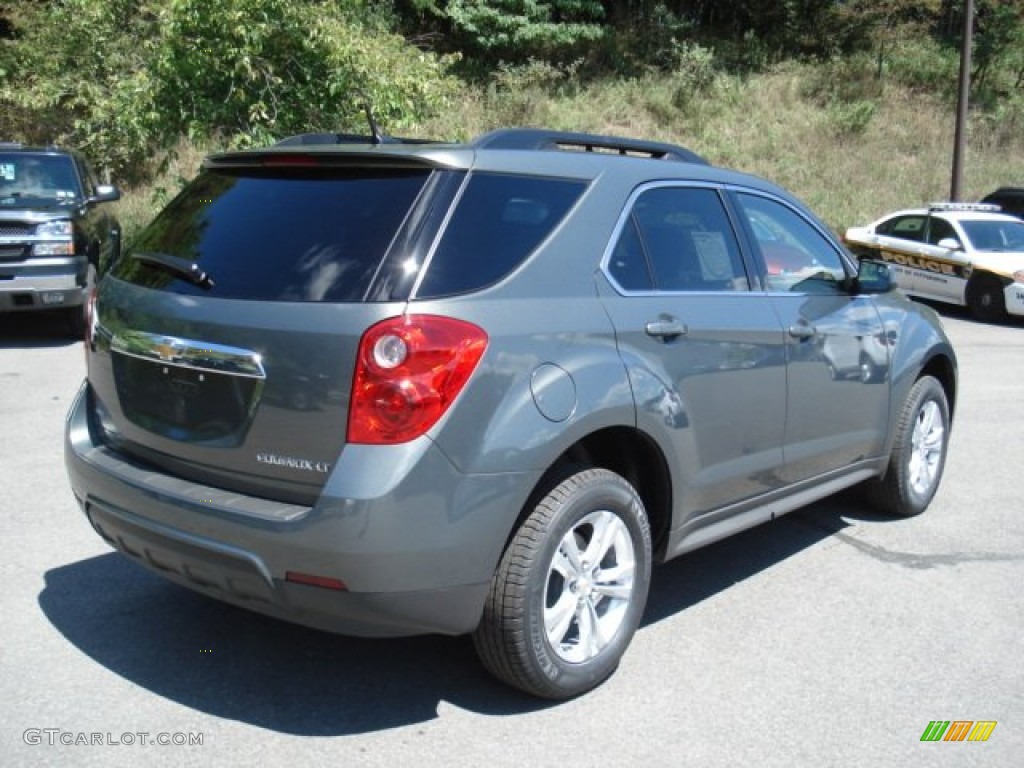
(18, 283)
(188, 353)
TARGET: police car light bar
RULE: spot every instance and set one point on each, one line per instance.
(989, 207)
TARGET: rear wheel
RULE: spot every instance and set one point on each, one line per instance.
(985, 298)
(918, 454)
(570, 589)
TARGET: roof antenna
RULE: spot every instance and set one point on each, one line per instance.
(378, 137)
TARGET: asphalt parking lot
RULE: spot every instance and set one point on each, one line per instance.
(831, 637)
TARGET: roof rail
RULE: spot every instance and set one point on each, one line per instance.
(534, 138)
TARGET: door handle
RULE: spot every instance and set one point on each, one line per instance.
(802, 331)
(666, 328)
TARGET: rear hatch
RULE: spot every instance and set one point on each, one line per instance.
(226, 334)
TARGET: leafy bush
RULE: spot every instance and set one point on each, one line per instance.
(925, 65)
(126, 78)
(850, 118)
(850, 79)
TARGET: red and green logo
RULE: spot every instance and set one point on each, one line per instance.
(958, 730)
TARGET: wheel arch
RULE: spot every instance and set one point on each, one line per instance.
(629, 453)
(941, 367)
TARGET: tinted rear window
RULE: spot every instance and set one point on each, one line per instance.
(281, 235)
(499, 221)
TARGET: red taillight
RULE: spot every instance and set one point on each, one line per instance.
(408, 371)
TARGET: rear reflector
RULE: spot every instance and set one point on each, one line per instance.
(325, 582)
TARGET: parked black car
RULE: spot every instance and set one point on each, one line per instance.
(54, 237)
(1010, 199)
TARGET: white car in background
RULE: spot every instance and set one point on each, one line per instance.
(969, 254)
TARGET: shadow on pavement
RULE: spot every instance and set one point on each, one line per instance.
(24, 330)
(239, 665)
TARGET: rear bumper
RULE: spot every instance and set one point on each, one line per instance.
(1014, 295)
(416, 556)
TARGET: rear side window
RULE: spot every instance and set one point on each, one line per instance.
(499, 221)
(281, 235)
(906, 227)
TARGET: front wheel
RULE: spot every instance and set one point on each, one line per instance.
(918, 454)
(985, 298)
(570, 589)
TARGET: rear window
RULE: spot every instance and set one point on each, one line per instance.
(302, 234)
(499, 221)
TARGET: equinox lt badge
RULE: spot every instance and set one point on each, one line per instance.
(307, 465)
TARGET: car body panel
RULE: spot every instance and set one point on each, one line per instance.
(209, 442)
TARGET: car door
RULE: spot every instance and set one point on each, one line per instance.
(900, 241)
(837, 400)
(943, 274)
(705, 354)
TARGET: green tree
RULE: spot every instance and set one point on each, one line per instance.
(127, 78)
(519, 30)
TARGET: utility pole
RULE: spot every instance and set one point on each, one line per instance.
(962, 99)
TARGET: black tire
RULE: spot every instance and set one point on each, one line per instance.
(918, 454)
(76, 318)
(985, 298)
(537, 593)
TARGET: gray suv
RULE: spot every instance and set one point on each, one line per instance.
(388, 388)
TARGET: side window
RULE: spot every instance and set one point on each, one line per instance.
(688, 240)
(797, 257)
(904, 227)
(89, 182)
(939, 229)
(498, 223)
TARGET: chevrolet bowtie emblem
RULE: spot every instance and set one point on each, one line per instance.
(167, 350)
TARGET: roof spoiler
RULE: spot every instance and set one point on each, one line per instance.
(534, 138)
(376, 136)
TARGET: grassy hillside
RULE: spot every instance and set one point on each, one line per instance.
(852, 147)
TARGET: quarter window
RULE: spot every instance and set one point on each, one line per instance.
(499, 222)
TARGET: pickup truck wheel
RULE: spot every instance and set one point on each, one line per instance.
(918, 454)
(75, 317)
(985, 298)
(570, 589)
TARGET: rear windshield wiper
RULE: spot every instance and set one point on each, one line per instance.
(186, 270)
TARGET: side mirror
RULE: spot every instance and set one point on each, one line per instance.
(874, 277)
(950, 243)
(105, 193)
